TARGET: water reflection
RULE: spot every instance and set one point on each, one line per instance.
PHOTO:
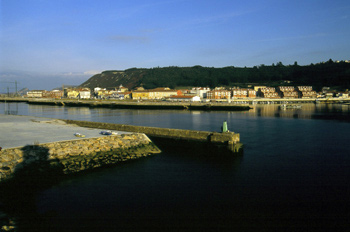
(307, 111)
(164, 118)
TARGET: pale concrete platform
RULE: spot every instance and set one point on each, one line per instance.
(18, 131)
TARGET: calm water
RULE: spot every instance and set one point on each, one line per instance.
(294, 176)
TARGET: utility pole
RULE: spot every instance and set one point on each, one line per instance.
(8, 88)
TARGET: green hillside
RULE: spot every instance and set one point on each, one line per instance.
(335, 74)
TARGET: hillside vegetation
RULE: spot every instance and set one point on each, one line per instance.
(318, 75)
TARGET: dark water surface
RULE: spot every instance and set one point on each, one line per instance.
(294, 175)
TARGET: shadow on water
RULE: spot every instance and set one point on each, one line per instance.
(18, 194)
(215, 155)
(161, 211)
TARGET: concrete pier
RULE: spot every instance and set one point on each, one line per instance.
(33, 147)
(230, 140)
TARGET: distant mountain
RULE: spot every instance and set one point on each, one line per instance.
(129, 78)
(65, 86)
(318, 75)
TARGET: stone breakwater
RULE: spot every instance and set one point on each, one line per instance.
(72, 156)
(230, 140)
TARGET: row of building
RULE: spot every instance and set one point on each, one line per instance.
(194, 94)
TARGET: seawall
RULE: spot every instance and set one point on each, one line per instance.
(72, 156)
(230, 140)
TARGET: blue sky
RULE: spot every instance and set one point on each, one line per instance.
(47, 43)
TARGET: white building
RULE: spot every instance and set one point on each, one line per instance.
(200, 91)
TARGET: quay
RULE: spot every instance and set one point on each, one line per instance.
(217, 105)
(122, 104)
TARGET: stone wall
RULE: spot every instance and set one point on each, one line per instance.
(75, 155)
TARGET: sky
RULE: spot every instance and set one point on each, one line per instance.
(47, 43)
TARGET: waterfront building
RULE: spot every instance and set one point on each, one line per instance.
(184, 98)
(219, 94)
(287, 92)
(155, 94)
(54, 94)
(140, 94)
(251, 93)
(306, 92)
(36, 93)
(161, 93)
(268, 92)
(239, 93)
(200, 91)
(79, 93)
(344, 95)
(304, 88)
(73, 93)
(84, 93)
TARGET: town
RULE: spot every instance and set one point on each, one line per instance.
(195, 94)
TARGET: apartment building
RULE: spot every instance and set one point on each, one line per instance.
(268, 92)
(239, 93)
(287, 92)
(219, 94)
(306, 92)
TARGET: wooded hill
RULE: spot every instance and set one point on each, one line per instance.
(333, 74)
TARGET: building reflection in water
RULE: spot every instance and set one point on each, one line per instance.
(307, 111)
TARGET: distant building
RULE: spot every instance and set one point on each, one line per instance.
(219, 94)
(256, 88)
(200, 91)
(36, 93)
(161, 93)
(344, 95)
(251, 93)
(287, 92)
(239, 93)
(73, 93)
(140, 94)
(122, 89)
(54, 94)
(84, 93)
(79, 93)
(306, 92)
(184, 98)
(268, 92)
(155, 94)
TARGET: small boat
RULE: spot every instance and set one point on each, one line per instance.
(79, 135)
(285, 106)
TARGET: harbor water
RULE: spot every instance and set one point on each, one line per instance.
(294, 175)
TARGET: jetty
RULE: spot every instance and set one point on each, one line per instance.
(38, 146)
